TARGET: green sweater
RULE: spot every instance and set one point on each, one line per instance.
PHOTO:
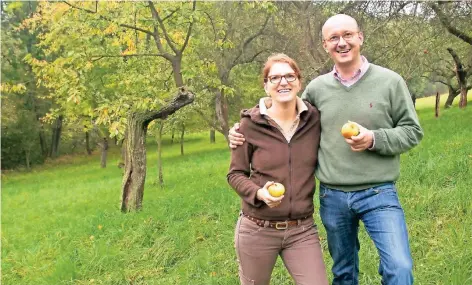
(380, 102)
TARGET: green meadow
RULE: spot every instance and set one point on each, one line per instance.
(61, 222)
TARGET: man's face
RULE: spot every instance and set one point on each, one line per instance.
(342, 40)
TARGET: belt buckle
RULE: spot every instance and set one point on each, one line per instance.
(281, 225)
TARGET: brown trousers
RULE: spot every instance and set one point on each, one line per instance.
(257, 249)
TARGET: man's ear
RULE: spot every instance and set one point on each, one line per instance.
(361, 37)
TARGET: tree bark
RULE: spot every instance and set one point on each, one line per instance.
(135, 151)
(87, 143)
(56, 137)
(42, 141)
(461, 78)
(212, 135)
(103, 160)
(450, 98)
(172, 137)
(160, 175)
(182, 139)
(436, 113)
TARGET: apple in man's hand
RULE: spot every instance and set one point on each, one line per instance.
(349, 129)
(276, 189)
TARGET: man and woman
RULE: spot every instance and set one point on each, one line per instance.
(357, 175)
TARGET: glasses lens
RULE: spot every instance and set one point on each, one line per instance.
(347, 36)
(334, 39)
(290, 77)
(275, 78)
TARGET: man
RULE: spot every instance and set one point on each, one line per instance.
(357, 175)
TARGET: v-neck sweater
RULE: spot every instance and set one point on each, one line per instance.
(379, 101)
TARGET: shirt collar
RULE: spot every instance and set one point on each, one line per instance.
(267, 100)
(361, 70)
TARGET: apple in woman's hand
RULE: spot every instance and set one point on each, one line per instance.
(276, 189)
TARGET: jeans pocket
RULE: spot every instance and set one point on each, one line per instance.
(247, 226)
(323, 192)
(387, 188)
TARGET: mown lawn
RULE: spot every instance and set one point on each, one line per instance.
(61, 223)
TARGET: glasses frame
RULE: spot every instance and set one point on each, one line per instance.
(271, 80)
(349, 38)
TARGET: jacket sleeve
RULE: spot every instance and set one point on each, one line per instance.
(406, 132)
(240, 169)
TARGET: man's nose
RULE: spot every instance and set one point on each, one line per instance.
(341, 42)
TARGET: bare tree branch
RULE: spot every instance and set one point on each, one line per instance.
(250, 39)
(446, 23)
(108, 19)
(155, 15)
(98, 57)
(189, 31)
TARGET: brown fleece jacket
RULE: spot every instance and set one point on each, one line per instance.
(267, 156)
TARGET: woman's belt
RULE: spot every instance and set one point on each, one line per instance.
(280, 225)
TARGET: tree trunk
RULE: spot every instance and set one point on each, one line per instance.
(135, 152)
(160, 176)
(450, 98)
(221, 107)
(182, 139)
(42, 142)
(212, 135)
(103, 160)
(436, 113)
(172, 137)
(461, 78)
(56, 137)
(135, 164)
(87, 143)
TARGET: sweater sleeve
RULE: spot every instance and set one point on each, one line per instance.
(240, 170)
(406, 132)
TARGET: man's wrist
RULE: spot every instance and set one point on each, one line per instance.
(372, 145)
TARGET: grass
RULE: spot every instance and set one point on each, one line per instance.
(61, 223)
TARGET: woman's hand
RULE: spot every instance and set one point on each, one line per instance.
(264, 195)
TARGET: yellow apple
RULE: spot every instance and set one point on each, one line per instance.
(276, 189)
(349, 130)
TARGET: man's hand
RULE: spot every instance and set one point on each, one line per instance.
(235, 139)
(264, 195)
(362, 141)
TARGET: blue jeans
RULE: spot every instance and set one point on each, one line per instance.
(380, 211)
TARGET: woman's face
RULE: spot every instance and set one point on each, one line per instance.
(282, 83)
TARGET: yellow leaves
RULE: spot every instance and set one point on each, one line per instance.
(115, 128)
(88, 66)
(99, 227)
(112, 28)
(74, 96)
(178, 37)
(15, 88)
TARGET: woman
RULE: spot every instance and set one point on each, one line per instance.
(282, 138)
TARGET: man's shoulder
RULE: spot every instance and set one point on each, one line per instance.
(321, 79)
(385, 72)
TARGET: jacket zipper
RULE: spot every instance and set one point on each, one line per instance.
(290, 177)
